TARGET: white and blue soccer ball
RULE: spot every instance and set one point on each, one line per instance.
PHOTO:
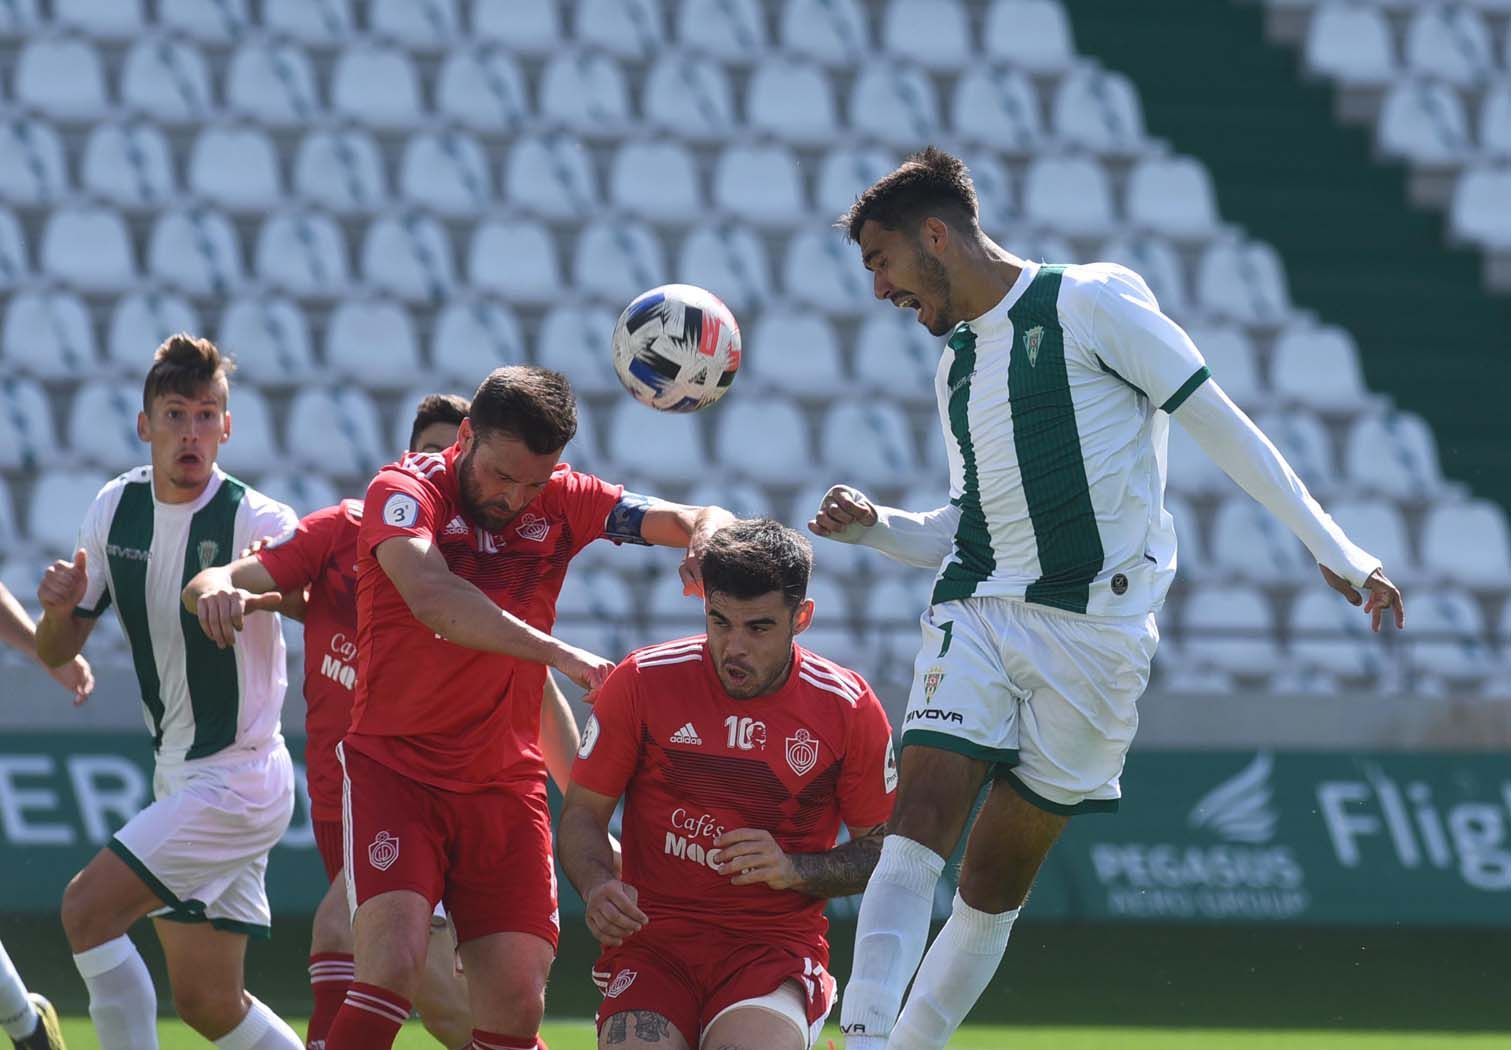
(677, 348)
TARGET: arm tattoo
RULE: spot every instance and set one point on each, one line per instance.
(842, 870)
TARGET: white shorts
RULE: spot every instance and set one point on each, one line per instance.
(203, 845)
(1050, 697)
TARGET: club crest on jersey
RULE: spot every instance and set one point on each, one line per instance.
(931, 679)
(621, 983)
(209, 550)
(802, 752)
(1031, 340)
(383, 851)
(533, 527)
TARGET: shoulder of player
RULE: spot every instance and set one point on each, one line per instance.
(666, 659)
(258, 505)
(103, 507)
(832, 679)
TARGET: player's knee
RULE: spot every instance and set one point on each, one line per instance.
(208, 1008)
(993, 892)
(84, 927)
(929, 818)
(332, 928)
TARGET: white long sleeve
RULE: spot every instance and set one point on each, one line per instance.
(921, 538)
(1248, 457)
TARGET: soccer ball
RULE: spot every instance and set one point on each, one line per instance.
(677, 348)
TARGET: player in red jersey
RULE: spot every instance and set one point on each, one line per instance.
(460, 559)
(738, 754)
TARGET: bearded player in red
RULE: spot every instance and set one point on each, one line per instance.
(738, 754)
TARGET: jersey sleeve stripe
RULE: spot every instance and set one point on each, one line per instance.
(1200, 376)
(826, 686)
(666, 660)
(849, 685)
(683, 646)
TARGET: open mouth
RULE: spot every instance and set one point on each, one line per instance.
(188, 459)
(737, 675)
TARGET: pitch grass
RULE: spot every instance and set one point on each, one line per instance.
(579, 1036)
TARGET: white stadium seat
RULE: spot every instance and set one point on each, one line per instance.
(870, 442)
(1045, 246)
(761, 184)
(655, 180)
(21, 18)
(272, 83)
(933, 32)
(1394, 454)
(102, 426)
(340, 169)
(128, 165)
(1231, 629)
(80, 96)
(10, 541)
(139, 322)
(1157, 262)
(1329, 634)
(1495, 120)
(197, 250)
(1448, 636)
(1173, 196)
(102, 19)
(1468, 543)
(551, 176)
(304, 253)
(761, 438)
(1250, 543)
(1032, 35)
(86, 247)
(32, 167)
(740, 498)
(445, 172)
(1378, 527)
(689, 98)
(667, 446)
(794, 351)
(995, 198)
(58, 505)
(528, 26)
(48, 335)
(13, 264)
(1069, 194)
(420, 25)
(1481, 208)
(602, 596)
(845, 173)
(235, 168)
(1193, 561)
(219, 22)
(732, 31)
(482, 89)
(729, 261)
(1230, 354)
(578, 341)
(671, 614)
(582, 451)
(997, 107)
(1304, 442)
(516, 260)
(1190, 469)
(472, 337)
(409, 256)
(618, 260)
(832, 31)
(372, 342)
(253, 448)
(270, 338)
(628, 28)
(305, 491)
(376, 85)
(1424, 121)
(585, 92)
(896, 355)
(1449, 42)
(167, 79)
(335, 431)
(822, 270)
(792, 100)
(1098, 111)
(896, 104)
(1350, 43)
(1318, 367)
(316, 23)
(1242, 282)
(26, 430)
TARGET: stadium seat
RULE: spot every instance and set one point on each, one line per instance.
(218, 22)
(761, 438)
(1350, 43)
(585, 92)
(409, 256)
(655, 180)
(21, 18)
(1495, 121)
(582, 452)
(1448, 636)
(552, 177)
(273, 84)
(270, 338)
(482, 89)
(80, 96)
(446, 172)
(671, 614)
(102, 19)
(895, 104)
(1192, 559)
(578, 341)
(1481, 208)
(933, 32)
(11, 540)
(663, 446)
(376, 85)
(1153, 259)
(732, 31)
(1044, 246)
(1231, 356)
(517, 260)
(33, 169)
(1231, 629)
(340, 169)
(1329, 634)
(1378, 527)
(86, 247)
(531, 27)
(1304, 442)
(13, 263)
(419, 25)
(761, 184)
(822, 270)
(793, 101)
(139, 322)
(48, 335)
(741, 498)
(601, 596)
(1069, 194)
(1394, 454)
(1243, 282)
(996, 201)
(58, 505)
(472, 337)
(1032, 35)
(1318, 367)
(371, 342)
(829, 595)
(729, 261)
(1172, 196)
(870, 442)
(166, 79)
(845, 173)
(197, 250)
(898, 602)
(794, 351)
(618, 260)
(102, 426)
(689, 98)
(1098, 111)
(1250, 543)
(832, 31)
(335, 431)
(128, 165)
(1468, 543)
(235, 168)
(997, 107)
(1424, 121)
(1449, 42)
(314, 23)
(253, 448)
(1190, 470)
(26, 428)
(896, 356)
(627, 28)
(305, 491)
(303, 252)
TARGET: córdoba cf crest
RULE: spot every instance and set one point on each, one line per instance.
(1031, 340)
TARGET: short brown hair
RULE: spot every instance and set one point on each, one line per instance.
(749, 558)
(929, 183)
(183, 365)
(437, 408)
(535, 405)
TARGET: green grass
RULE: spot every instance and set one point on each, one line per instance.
(579, 1036)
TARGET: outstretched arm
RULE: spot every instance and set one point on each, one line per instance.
(751, 855)
(675, 525)
(921, 538)
(18, 631)
(222, 595)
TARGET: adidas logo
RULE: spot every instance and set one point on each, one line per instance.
(456, 527)
(686, 735)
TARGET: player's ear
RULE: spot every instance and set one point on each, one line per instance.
(143, 430)
(465, 434)
(225, 426)
(804, 618)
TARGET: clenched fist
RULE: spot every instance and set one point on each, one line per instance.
(841, 508)
(63, 585)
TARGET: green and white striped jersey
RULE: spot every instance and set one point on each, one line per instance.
(1054, 405)
(198, 700)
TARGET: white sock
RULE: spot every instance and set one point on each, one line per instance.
(17, 1015)
(260, 1029)
(890, 934)
(960, 962)
(122, 1003)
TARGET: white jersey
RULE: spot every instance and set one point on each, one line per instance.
(1055, 409)
(198, 700)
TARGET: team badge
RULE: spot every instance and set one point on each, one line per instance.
(533, 527)
(589, 737)
(889, 771)
(931, 679)
(383, 851)
(209, 550)
(621, 983)
(1031, 340)
(802, 752)
(401, 510)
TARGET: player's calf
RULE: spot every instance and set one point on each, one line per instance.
(442, 996)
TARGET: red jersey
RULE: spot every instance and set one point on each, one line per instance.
(321, 554)
(693, 762)
(456, 718)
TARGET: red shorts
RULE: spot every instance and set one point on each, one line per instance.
(689, 974)
(487, 854)
(328, 840)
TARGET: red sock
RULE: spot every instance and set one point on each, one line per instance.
(482, 1040)
(369, 1019)
(331, 973)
